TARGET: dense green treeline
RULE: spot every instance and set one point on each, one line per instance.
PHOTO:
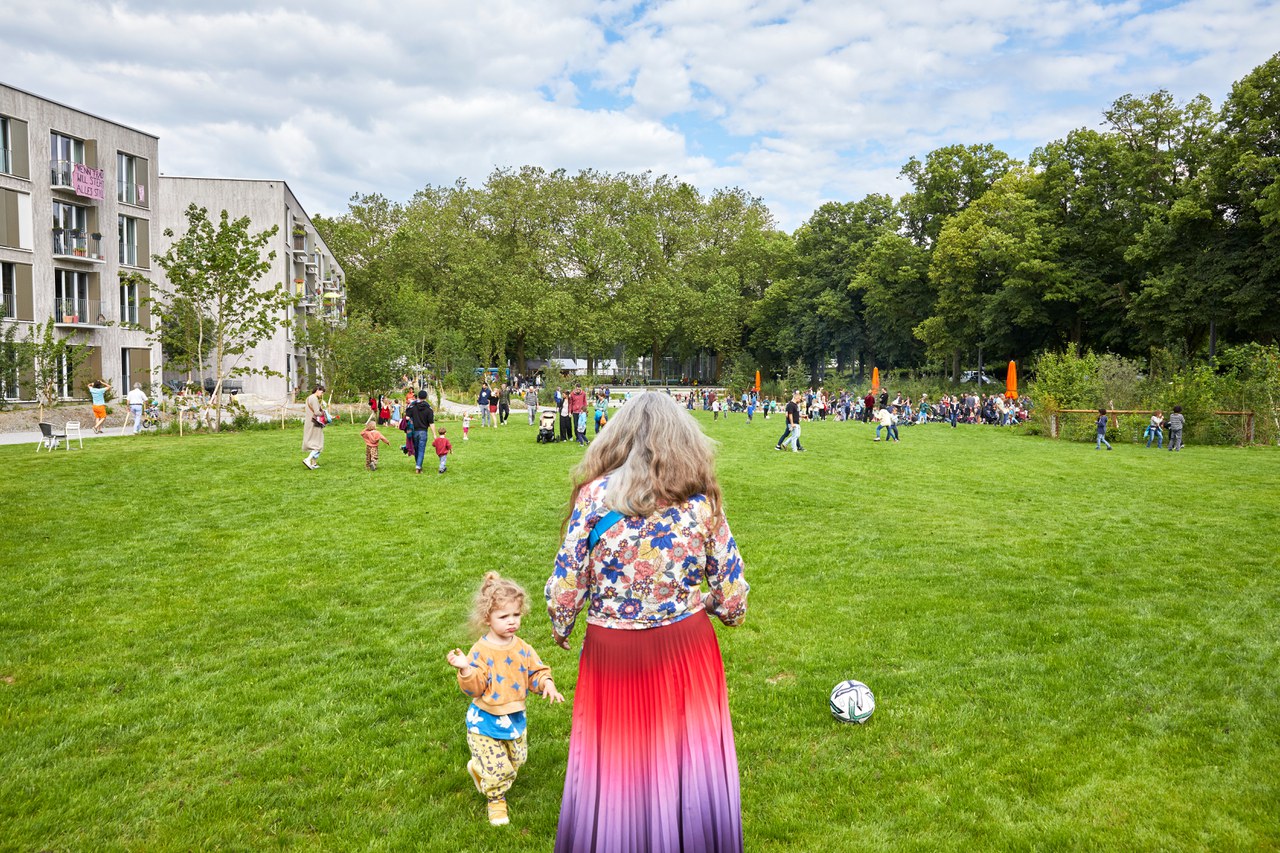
(1159, 231)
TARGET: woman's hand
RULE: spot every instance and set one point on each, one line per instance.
(562, 642)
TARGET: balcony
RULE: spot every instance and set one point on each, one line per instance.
(9, 305)
(60, 174)
(78, 312)
(76, 246)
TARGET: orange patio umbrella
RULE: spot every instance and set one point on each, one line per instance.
(757, 382)
(875, 379)
(1011, 382)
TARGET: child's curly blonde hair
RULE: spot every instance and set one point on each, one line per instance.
(496, 591)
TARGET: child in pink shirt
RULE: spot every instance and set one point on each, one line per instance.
(371, 438)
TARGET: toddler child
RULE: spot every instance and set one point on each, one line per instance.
(581, 428)
(371, 437)
(499, 672)
(442, 447)
(466, 426)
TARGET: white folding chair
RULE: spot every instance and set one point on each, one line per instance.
(72, 430)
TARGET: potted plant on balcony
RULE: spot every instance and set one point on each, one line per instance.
(299, 237)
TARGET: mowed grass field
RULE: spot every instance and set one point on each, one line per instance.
(204, 646)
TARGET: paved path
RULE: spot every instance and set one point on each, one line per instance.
(30, 437)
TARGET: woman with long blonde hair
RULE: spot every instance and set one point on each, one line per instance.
(652, 763)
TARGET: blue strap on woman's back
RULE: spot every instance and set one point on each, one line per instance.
(606, 521)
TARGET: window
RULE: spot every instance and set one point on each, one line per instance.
(70, 221)
(126, 179)
(15, 219)
(129, 302)
(64, 152)
(6, 147)
(8, 291)
(71, 297)
(129, 241)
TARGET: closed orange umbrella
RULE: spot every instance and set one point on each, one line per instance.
(875, 379)
(1011, 382)
(757, 382)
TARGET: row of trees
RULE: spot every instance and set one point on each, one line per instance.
(536, 259)
(1160, 229)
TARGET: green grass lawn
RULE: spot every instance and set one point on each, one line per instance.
(205, 646)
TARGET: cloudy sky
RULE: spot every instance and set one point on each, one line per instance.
(796, 102)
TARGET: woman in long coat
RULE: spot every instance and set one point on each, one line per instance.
(313, 433)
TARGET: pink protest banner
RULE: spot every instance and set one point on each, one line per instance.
(87, 182)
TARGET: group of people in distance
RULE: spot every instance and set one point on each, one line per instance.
(651, 761)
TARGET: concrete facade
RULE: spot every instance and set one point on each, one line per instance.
(77, 223)
(303, 264)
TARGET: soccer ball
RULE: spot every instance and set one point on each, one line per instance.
(852, 702)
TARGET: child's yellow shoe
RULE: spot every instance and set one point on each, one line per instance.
(498, 813)
(475, 775)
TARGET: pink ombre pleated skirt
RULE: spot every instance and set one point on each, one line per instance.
(652, 766)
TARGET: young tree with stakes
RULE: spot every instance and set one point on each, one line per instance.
(212, 295)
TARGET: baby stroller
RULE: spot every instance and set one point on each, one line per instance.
(547, 427)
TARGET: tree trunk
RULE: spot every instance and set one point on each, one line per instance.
(1213, 338)
(591, 365)
(521, 364)
(657, 360)
(955, 365)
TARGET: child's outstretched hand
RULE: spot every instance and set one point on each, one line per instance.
(553, 695)
(457, 659)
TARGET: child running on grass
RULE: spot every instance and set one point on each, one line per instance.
(442, 448)
(372, 437)
(499, 672)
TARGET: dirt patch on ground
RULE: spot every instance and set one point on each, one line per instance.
(28, 419)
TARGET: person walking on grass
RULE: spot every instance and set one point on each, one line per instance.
(499, 673)
(792, 423)
(422, 421)
(314, 420)
(652, 763)
(531, 403)
(443, 448)
(1102, 431)
(372, 438)
(1176, 424)
(482, 400)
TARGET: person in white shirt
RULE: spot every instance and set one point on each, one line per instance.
(137, 399)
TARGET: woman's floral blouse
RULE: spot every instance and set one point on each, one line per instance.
(645, 572)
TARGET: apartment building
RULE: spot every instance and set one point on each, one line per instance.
(76, 227)
(303, 264)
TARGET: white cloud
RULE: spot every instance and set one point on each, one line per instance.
(799, 101)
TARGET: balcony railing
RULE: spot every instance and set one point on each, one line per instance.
(60, 173)
(130, 193)
(78, 312)
(9, 305)
(6, 161)
(75, 244)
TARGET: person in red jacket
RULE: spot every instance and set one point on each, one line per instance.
(443, 448)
